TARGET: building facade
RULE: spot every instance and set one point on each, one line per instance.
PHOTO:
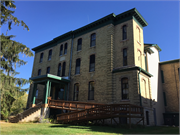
(107, 62)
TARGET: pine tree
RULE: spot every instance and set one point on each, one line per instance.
(11, 86)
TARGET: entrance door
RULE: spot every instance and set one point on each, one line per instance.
(61, 94)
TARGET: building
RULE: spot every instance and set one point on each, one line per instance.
(106, 62)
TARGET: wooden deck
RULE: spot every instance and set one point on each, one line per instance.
(84, 112)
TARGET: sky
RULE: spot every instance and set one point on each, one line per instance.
(49, 19)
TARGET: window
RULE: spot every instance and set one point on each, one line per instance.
(65, 49)
(41, 58)
(124, 86)
(138, 35)
(48, 70)
(162, 76)
(36, 94)
(92, 63)
(39, 72)
(79, 44)
(63, 69)
(144, 85)
(59, 70)
(61, 50)
(93, 40)
(76, 92)
(124, 32)
(125, 57)
(78, 62)
(50, 54)
(139, 58)
(91, 91)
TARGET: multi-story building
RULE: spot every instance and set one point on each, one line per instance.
(107, 62)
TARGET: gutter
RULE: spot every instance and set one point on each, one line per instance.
(70, 67)
(139, 87)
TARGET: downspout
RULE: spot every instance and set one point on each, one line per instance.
(139, 87)
(70, 67)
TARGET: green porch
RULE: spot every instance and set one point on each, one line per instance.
(54, 86)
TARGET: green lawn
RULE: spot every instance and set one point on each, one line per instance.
(62, 129)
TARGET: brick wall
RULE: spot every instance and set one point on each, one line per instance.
(171, 86)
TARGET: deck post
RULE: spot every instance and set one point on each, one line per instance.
(34, 94)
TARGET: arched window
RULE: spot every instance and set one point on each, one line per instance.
(63, 69)
(41, 57)
(39, 72)
(59, 70)
(125, 57)
(93, 40)
(92, 63)
(138, 35)
(124, 33)
(78, 63)
(48, 70)
(139, 58)
(50, 54)
(145, 90)
(61, 50)
(65, 48)
(91, 91)
(79, 44)
(125, 88)
(76, 92)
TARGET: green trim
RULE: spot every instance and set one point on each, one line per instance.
(162, 76)
(137, 22)
(48, 76)
(46, 91)
(165, 101)
(155, 45)
(34, 94)
(170, 61)
(109, 19)
(132, 68)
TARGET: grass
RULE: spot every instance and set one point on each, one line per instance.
(63, 129)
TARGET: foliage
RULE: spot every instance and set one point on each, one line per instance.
(19, 104)
(11, 86)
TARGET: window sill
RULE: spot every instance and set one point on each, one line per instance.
(91, 71)
(92, 47)
(125, 100)
(138, 42)
(49, 60)
(124, 40)
(79, 51)
(77, 74)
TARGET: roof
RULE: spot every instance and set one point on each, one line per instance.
(49, 76)
(132, 68)
(111, 18)
(168, 62)
(155, 45)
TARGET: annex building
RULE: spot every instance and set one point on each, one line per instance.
(107, 62)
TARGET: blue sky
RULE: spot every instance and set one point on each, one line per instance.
(47, 20)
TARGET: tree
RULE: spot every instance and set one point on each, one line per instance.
(10, 86)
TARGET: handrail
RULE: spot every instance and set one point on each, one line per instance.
(79, 102)
(106, 110)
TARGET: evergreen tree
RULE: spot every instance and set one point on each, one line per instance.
(11, 86)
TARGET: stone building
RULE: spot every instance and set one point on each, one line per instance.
(107, 62)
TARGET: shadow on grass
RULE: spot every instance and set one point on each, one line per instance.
(106, 129)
